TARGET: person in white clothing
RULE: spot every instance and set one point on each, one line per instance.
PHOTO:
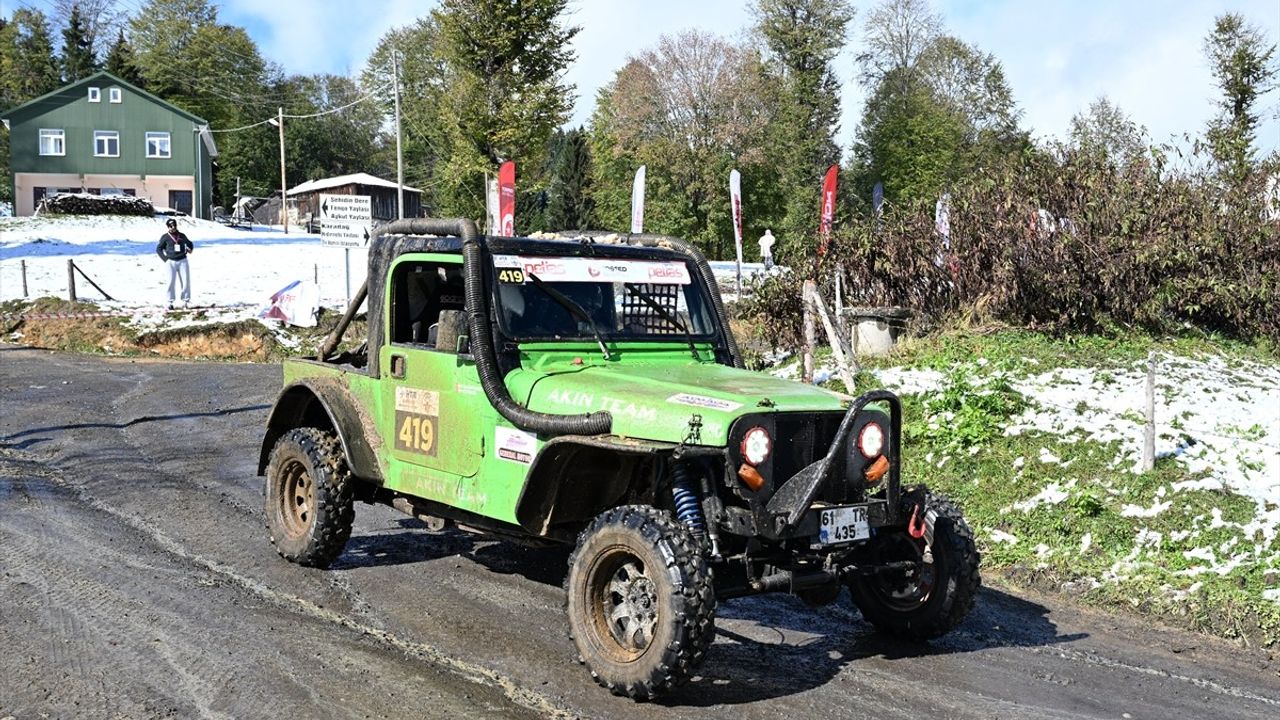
(766, 249)
(173, 249)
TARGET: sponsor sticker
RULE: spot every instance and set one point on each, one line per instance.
(515, 445)
(518, 269)
(702, 401)
(416, 400)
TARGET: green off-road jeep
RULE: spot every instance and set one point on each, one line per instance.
(588, 391)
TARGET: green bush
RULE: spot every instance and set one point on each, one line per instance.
(1065, 241)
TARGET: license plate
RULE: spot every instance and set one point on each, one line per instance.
(843, 524)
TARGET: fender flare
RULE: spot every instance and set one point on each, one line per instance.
(319, 402)
(542, 504)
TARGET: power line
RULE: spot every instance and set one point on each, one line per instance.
(296, 117)
(333, 110)
(242, 127)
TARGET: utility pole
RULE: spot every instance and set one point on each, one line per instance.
(395, 71)
(284, 187)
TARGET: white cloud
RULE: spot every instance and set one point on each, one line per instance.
(320, 36)
(1144, 55)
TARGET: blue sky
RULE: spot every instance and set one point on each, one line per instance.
(1058, 55)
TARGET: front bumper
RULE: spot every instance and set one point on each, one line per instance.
(790, 512)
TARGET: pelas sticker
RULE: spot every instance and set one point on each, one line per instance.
(514, 445)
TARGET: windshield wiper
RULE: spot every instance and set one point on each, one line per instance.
(574, 309)
(665, 315)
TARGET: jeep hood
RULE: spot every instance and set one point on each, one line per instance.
(657, 401)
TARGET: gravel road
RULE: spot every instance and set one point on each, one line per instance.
(136, 580)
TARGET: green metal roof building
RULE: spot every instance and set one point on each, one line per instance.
(102, 135)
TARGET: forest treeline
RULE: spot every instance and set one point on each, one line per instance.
(1105, 223)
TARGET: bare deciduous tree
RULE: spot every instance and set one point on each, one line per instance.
(103, 20)
(896, 33)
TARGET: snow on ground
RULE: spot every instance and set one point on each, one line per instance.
(1215, 415)
(235, 269)
(1219, 417)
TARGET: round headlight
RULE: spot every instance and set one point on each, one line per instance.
(756, 445)
(871, 440)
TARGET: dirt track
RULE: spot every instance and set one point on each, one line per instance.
(136, 580)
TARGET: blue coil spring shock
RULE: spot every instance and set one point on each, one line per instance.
(685, 496)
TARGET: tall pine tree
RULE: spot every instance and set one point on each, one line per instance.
(804, 37)
(28, 67)
(570, 206)
(122, 63)
(77, 59)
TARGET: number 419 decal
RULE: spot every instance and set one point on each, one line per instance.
(415, 433)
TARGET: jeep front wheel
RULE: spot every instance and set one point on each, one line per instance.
(640, 601)
(930, 599)
(309, 497)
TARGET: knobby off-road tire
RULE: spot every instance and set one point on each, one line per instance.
(309, 493)
(640, 601)
(931, 602)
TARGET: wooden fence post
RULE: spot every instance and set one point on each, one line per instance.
(833, 337)
(71, 280)
(1149, 434)
(810, 332)
(24, 279)
(89, 280)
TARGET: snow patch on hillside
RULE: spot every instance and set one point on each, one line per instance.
(234, 269)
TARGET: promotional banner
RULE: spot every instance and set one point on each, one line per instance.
(735, 198)
(491, 220)
(518, 269)
(828, 208)
(942, 226)
(942, 218)
(295, 303)
(507, 198)
(637, 202)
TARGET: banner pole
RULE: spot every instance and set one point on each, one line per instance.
(346, 258)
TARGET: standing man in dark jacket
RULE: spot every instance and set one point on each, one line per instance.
(173, 249)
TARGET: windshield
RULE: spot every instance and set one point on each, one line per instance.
(584, 297)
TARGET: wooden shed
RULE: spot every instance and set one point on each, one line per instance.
(304, 199)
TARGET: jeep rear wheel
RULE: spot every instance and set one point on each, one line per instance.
(640, 601)
(932, 599)
(309, 497)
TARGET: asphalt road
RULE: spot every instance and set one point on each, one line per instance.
(136, 580)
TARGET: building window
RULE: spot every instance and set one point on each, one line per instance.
(158, 145)
(95, 94)
(53, 142)
(114, 94)
(106, 143)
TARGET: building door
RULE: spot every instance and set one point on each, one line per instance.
(180, 200)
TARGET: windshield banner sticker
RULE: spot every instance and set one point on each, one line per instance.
(517, 269)
(702, 401)
(515, 445)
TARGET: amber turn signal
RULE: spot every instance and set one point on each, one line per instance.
(875, 472)
(751, 477)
